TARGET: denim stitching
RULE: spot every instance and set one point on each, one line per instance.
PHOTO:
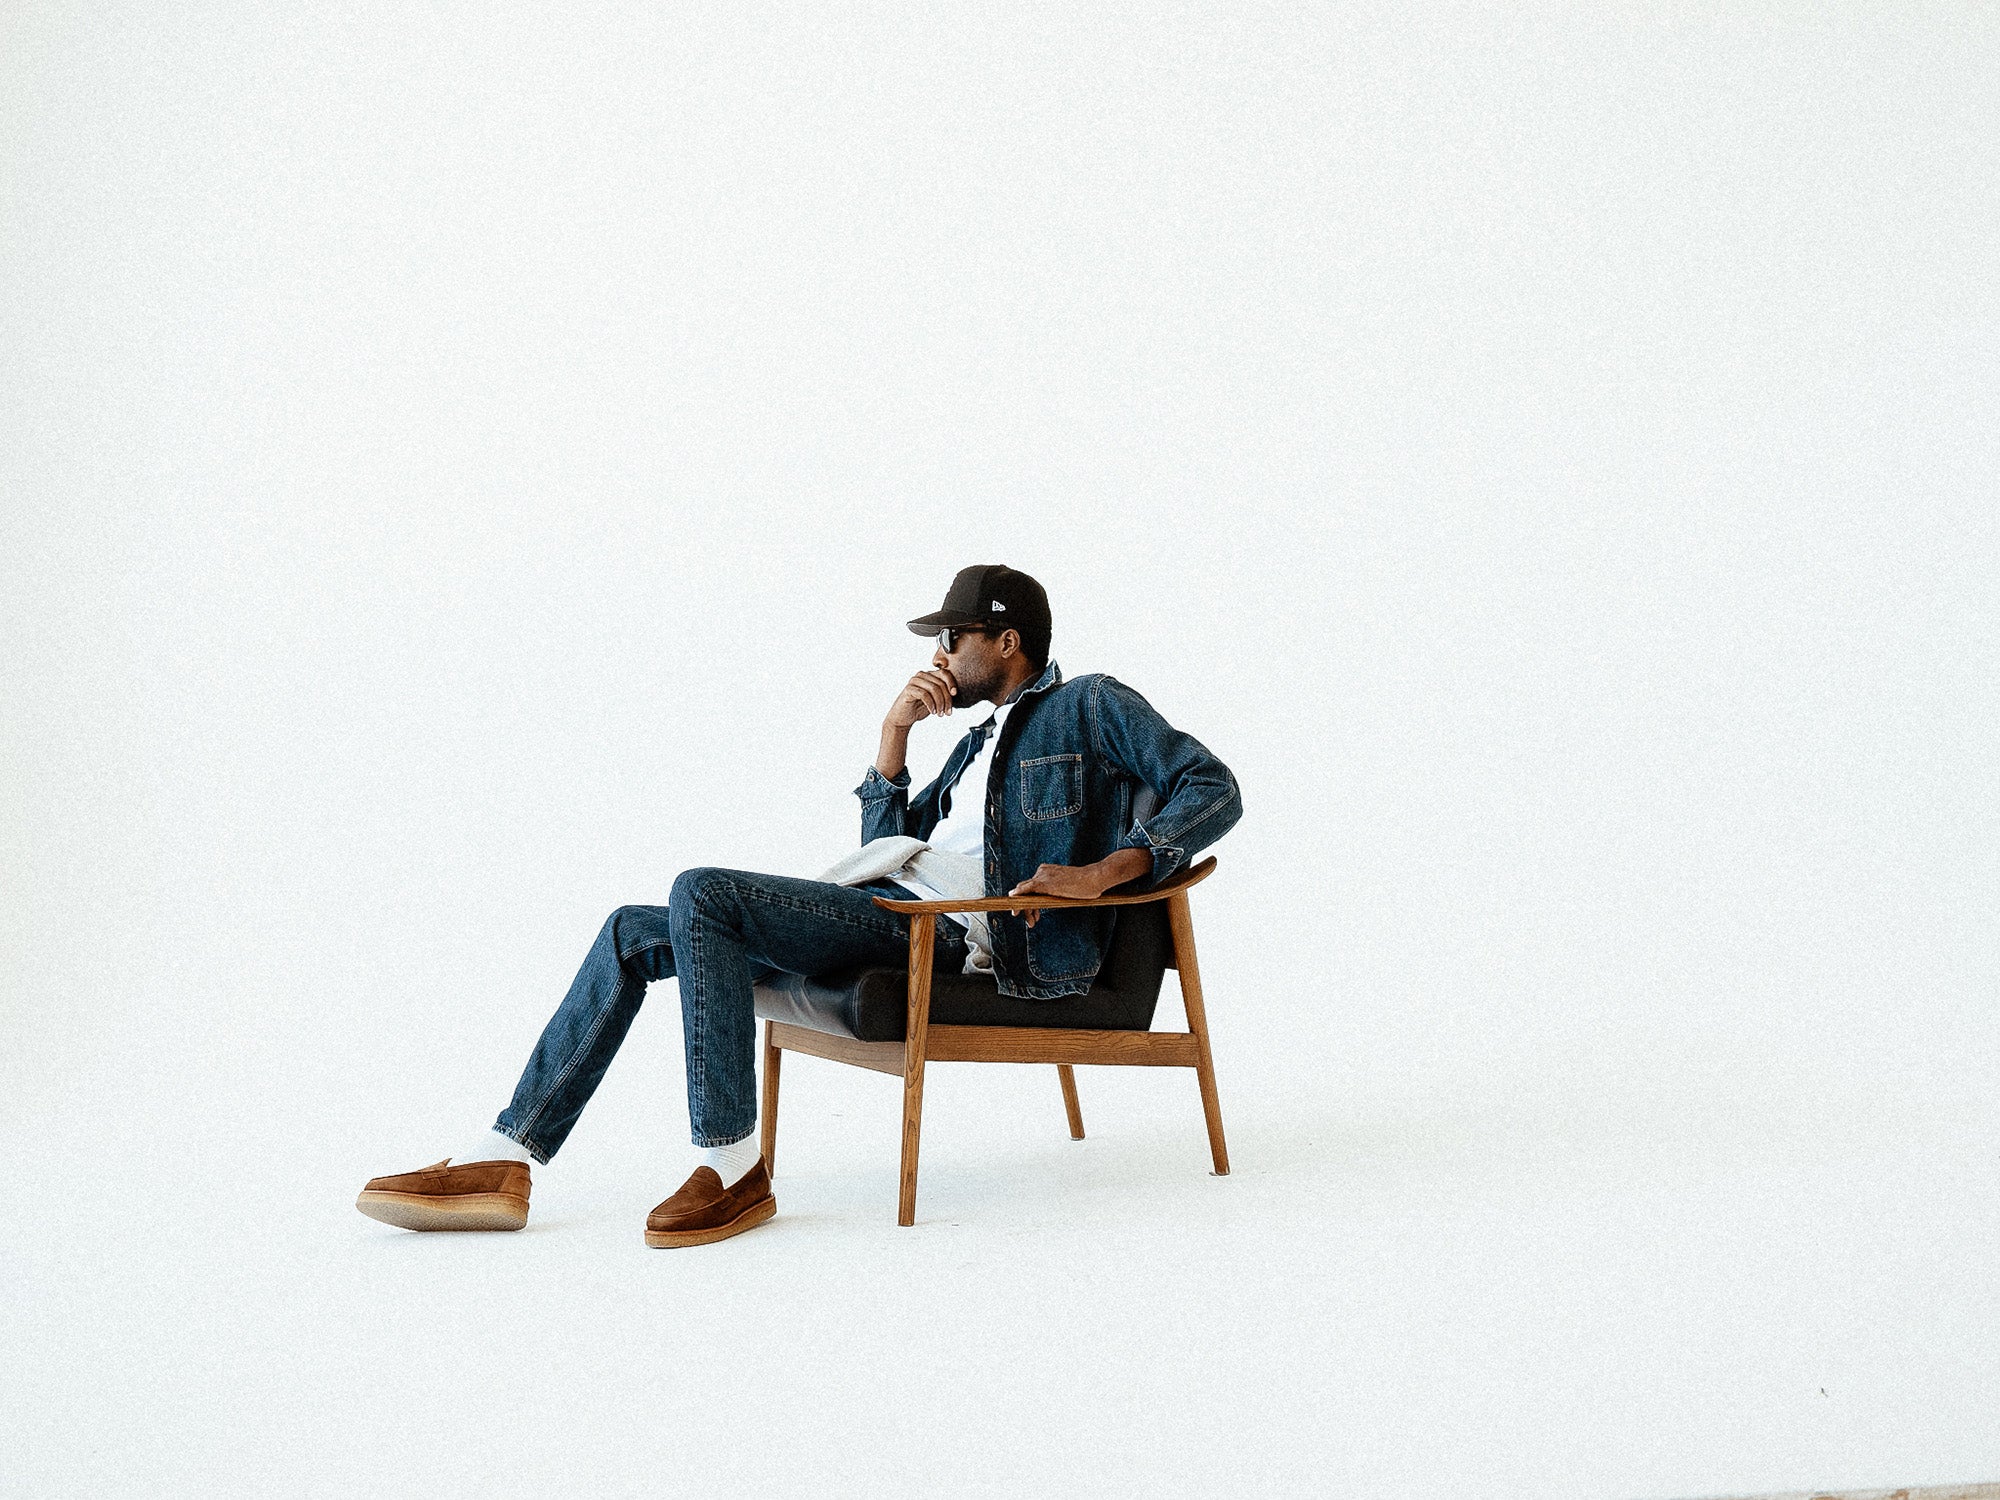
(1037, 970)
(603, 1015)
(584, 1046)
(1219, 804)
(534, 1148)
(1048, 815)
(697, 1051)
(1092, 709)
(1057, 993)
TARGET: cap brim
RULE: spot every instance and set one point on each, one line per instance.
(931, 624)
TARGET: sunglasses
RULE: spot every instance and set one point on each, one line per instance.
(950, 634)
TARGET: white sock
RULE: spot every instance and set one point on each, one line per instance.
(731, 1162)
(493, 1146)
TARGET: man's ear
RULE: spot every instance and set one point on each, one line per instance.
(1005, 649)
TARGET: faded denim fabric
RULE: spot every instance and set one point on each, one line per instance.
(719, 933)
(1070, 756)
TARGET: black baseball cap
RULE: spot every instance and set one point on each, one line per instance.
(993, 595)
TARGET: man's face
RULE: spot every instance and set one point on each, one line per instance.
(975, 664)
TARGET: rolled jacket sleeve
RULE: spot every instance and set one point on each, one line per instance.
(1167, 858)
(885, 803)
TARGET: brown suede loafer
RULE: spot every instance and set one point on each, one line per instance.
(475, 1195)
(705, 1210)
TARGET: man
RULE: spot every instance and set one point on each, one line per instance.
(1057, 763)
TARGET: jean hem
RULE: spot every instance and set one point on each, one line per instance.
(707, 1141)
(541, 1157)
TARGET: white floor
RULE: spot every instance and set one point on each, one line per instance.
(1697, 1292)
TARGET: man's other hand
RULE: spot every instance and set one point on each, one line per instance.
(1083, 882)
(1076, 882)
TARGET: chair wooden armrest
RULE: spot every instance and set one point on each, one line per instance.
(1192, 875)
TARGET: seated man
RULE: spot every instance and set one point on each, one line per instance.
(1057, 761)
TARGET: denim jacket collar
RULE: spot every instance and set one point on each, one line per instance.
(1051, 677)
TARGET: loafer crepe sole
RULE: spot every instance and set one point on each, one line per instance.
(444, 1210)
(750, 1218)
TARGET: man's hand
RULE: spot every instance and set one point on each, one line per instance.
(1082, 882)
(929, 692)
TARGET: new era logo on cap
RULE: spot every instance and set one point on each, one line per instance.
(996, 604)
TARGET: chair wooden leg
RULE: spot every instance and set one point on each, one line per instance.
(773, 1055)
(1182, 923)
(1068, 1076)
(923, 933)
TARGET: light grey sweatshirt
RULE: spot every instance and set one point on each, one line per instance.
(956, 877)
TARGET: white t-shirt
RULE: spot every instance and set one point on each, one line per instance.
(963, 831)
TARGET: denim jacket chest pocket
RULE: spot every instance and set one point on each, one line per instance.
(1051, 787)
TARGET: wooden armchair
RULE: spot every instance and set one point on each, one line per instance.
(853, 1018)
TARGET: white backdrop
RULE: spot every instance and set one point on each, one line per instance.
(462, 465)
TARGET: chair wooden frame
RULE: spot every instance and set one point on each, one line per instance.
(924, 1043)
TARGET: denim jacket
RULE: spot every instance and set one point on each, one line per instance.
(1069, 758)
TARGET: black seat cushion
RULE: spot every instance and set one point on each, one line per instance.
(872, 1004)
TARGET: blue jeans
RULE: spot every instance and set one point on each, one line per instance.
(719, 933)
